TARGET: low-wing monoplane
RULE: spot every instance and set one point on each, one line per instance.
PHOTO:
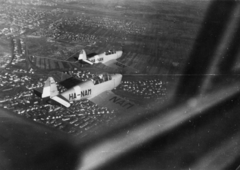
(98, 90)
(108, 58)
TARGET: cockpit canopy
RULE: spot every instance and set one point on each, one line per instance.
(101, 78)
(109, 52)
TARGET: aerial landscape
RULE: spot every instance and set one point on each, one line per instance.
(119, 84)
(40, 39)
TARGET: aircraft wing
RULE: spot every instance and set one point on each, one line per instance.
(110, 63)
(61, 100)
(117, 64)
(113, 102)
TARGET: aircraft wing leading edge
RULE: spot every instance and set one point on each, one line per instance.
(113, 102)
(110, 63)
(119, 65)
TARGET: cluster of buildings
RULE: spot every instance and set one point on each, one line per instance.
(5, 59)
(81, 116)
(16, 87)
(119, 25)
(114, 24)
(77, 28)
(70, 29)
(31, 2)
(10, 80)
(54, 23)
(146, 89)
(20, 98)
(21, 19)
(63, 35)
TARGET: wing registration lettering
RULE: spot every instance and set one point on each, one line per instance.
(114, 102)
(121, 102)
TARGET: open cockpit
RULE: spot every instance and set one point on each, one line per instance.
(110, 52)
(101, 78)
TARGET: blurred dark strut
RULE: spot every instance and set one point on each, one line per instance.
(214, 51)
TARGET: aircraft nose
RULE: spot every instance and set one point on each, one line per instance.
(119, 53)
(119, 76)
(117, 79)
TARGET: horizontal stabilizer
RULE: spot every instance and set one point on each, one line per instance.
(61, 100)
(83, 57)
(87, 61)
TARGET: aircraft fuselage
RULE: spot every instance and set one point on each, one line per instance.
(105, 57)
(88, 89)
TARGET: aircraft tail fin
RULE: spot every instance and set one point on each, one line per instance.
(83, 57)
(50, 88)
